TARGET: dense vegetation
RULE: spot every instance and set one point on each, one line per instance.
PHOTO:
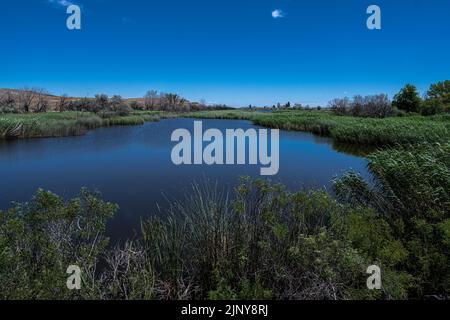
(365, 131)
(261, 242)
(435, 101)
(38, 100)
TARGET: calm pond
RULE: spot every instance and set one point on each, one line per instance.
(132, 167)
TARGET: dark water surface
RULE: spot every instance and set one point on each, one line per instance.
(132, 167)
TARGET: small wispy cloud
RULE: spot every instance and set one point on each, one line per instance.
(277, 14)
(128, 20)
(64, 3)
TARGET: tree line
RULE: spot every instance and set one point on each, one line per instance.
(38, 100)
(408, 100)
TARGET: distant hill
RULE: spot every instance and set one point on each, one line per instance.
(53, 101)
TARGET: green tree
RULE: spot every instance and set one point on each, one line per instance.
(407, 99)
(438, 96)
(432, 107)
(440, 92)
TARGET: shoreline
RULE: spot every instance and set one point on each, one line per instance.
(343, 130)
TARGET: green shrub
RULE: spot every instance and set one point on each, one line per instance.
(40, 239)
(407, 99)
(431, 107)
(412, 194)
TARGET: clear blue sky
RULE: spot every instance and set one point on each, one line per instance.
(225, 51)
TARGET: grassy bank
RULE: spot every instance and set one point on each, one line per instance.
(365, 131)
(345, 129)
(222, 114)
(266, 243)
(54, 124)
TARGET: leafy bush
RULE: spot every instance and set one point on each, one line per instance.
(412, 194)
(40, 239)
(8, 109)
(134, 105)
(123, 110)
(431, 107)
(86, 105)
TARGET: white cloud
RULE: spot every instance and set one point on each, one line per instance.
(127, 20)
(64, 3)
(277, 14)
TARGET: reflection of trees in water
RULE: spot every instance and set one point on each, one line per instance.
(353, 149)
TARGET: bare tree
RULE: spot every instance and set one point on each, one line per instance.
(184, 105)
(375, 106)
(41, 97)
(102, 101)
(172, 101)
(357, 105)
(378, 106)
(116, 101)
(339, 106)
(63, 102)
(25, 99)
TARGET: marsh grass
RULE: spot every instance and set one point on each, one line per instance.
(123, 121)
(222, 114)
(364, 131)
(348, 130)
(49, 125)
(54, 124)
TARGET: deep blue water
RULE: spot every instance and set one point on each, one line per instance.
(132, 167)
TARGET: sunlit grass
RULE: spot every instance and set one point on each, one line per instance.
(54, 124)
(345, 129)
